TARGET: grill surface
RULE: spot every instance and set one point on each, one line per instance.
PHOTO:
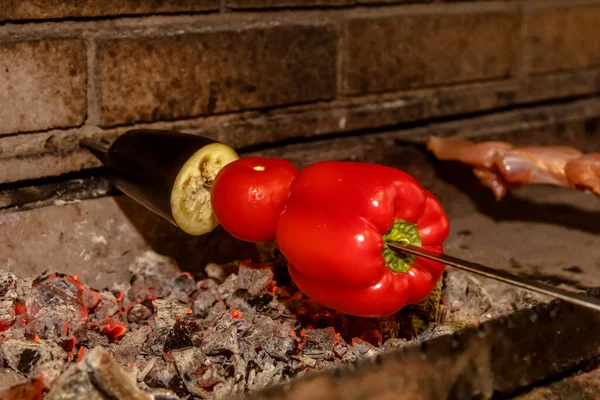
(540, 232)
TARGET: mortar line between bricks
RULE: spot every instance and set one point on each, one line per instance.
(165, 25)
(419, 123)
(323, 106)
(340, 100)
(428, 122)
(224, 8)
(398, 132)
(93, 101)
(256, 11)
(564, 71)
(102, 18)
(18, 30)
(532, 6)
(436, 5)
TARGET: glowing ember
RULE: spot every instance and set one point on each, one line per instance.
(239, 329)
(110, 327)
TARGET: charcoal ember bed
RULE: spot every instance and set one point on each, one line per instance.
(239, 328)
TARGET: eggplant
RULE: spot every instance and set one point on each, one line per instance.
(167, 172)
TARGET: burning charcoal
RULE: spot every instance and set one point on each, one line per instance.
(96, 377)
(215, 314)
(132, 370)
(50, 370)
(110, 377)
(31, 389)
(207, 284)
(254, 280)
(219, 272)
(164, 375)
(74, 384)
(247, 351)
(364, 349)
(167, 312)
(188, 360)
(94, 338)
(269, 371)
(526, 299)
(441, 330)
(177, 385)
(239, 367)
(70, 286)
(280, 348)
(394, 344)
(262, 303)
(158, 374)
(228, 287)
(222, 341)
(197, 376)
(243, 324)
(163, 394)
(203, 301)
(107, 306)
(265, 329)
(183, 336)
(252, 368)
(240, 307)
(146, 370)
(323, 365)
(154, 264)
(53, 312)
(89, 298)
(341, 347)
(9, 378)
(183, 285)
(131, 346)
(112, 328)
(223, 390)
(349, 357)
(319, 343)
(469, 298)
(148, 287)
(305, 361)
(139, 312)
(8, 285)
(7, 314)
(25, 356)
(60, 282)
(151, 276)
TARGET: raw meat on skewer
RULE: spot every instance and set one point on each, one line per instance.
(500, 165)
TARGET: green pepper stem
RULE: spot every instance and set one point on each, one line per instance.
(403, 232)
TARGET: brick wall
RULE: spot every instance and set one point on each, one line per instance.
(255, 71)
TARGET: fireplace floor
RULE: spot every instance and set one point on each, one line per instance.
(484, 338)
(242, 328)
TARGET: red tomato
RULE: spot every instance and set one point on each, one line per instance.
(249, 194)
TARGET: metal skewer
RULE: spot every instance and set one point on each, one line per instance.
(571, 297)
(145, 194)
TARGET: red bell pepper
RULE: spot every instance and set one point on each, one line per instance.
(333, 231)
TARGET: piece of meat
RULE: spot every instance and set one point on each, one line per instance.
(539, 164)
(492, 180)
(499, 165)
(584, 172)
(460, 149)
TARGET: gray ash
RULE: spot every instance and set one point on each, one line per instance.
(167, 335)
